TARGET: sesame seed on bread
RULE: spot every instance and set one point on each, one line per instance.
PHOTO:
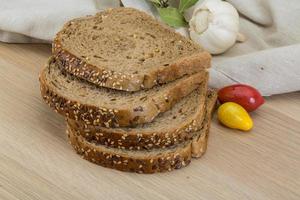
(169, 128)
(144, 161)
(126, 49)
(81, 101)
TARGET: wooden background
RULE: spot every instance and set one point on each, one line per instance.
(36, 162)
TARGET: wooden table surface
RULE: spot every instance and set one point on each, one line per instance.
(36, 161)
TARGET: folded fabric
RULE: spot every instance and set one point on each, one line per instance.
(38, 21)
(269, 60)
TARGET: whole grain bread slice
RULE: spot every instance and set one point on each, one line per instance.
(126, 49)
(169, 128)
(157, 160)
(199, 141)
(80, 100)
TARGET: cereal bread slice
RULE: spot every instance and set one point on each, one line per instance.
(169, 128)
(80, 100)
(156, 160)
(199, 142)
(126, 49)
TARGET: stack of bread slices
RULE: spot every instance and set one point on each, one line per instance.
(133, 92)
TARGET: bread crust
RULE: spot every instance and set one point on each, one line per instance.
(134, 139)
(112, 117)
(104, 77)
(199, 142)
(159, 162)
(175, 157)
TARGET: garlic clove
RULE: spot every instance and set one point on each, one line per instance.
(215, 26)
(215, 40)
(221, 38)
(201, 21)
(226, 22)
(200, 5)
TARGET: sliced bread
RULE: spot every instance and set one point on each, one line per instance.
(199, 141)
(157, 160)
(126, 49)
(80, 100)
(167, 129)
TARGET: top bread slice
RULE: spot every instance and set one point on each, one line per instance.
(126, 49)
(85, 102)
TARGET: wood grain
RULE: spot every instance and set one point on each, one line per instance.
(36, 162)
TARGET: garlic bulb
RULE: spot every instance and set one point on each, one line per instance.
(215, 26)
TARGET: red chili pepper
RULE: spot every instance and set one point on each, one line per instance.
(244, 95)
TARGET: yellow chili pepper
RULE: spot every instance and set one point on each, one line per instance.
(234, 116)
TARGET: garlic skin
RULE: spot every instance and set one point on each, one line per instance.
(214, 25)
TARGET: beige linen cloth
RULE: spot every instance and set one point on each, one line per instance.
(269, 60)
